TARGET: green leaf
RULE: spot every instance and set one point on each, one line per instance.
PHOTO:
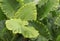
(21, 27)
(43, 29)
(9, 7)
(42, 2)
(2, 16)
(57, 21)
(58, 38)
(5, 35)
(45, 10)
(27, 12)
(41, 38)
(2, 25)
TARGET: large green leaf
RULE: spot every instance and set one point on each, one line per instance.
(43, 29)
(18, 26)
(27, 12)
(45, 9)
(9, 7)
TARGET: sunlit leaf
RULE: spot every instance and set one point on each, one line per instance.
(21, 27)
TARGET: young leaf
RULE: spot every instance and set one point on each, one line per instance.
(27, 12)
(21, 27)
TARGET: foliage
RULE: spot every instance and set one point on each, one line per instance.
(29, 20)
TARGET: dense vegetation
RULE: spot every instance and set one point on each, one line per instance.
(29, 20)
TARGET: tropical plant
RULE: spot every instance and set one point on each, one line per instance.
(29, 20)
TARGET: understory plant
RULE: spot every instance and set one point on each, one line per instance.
(29, 20)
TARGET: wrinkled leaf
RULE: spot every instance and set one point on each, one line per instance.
(43, 29)
(27, 12)
(18, 26)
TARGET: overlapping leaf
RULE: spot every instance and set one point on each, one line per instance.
(18, 26)
(27, 12)
(49, 6)
(42, 29)
(9, 7)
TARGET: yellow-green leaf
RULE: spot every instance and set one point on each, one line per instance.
(27, 12)
(21, 27)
